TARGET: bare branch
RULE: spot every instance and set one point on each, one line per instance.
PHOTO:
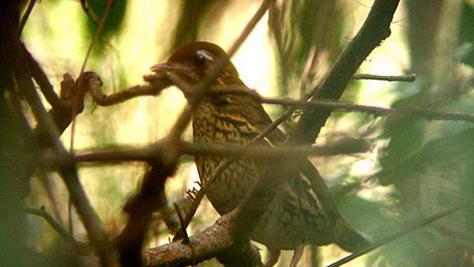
(156, 86)
(183, 226)
(375, 29)
(104, 18)
(90, 13)
(395, 236)
(57, 227)
(25, 17)
(68, 171)
(95, 85)
(391, 78)
(215, 240)
(42, 80)
(378, 111)
(333, 104)
(149, 152)
(140, 209)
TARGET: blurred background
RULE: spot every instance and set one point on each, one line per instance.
(414, 168)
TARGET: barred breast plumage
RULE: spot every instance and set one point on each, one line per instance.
(301, 212)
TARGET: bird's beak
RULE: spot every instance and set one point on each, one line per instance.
(162, 70)
(169, 67)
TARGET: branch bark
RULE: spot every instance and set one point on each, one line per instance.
(68, 171)
(140, 209)
(149, 152)
(215, 240)
(374, 30)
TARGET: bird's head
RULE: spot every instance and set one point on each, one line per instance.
(193, 61)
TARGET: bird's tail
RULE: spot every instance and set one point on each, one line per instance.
(349, 239)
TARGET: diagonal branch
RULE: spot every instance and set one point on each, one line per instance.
(100, 29)
(42, 80)
(395, 236)
(25, 17)
(68, 171)
(374, 30)
(58, 228)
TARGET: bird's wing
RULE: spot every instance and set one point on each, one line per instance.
(345, 236)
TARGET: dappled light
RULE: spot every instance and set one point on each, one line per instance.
(296, 133)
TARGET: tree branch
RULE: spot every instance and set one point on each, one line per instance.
(25, 17)
(375, 29)
(391, 78)
(395, 236)
(157, 84)
(149, 152)
(57, 227)
(68, 171)
(329, 105)
(42, 80)
(140, 209)
(215, 240)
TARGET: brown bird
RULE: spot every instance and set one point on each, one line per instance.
(301, 213)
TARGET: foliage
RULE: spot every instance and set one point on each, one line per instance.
(421, 167)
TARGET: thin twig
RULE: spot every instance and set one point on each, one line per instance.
(56, 226)
(47, 185)
(391, 78)
(123, 95)
(378, 111)
(333, 104)
(145, 153)
(149, 152)
(103, 20)
(182, 227)
(395, 236)
(155, 88)
(25, 17)
(90, 13)
(108, 7)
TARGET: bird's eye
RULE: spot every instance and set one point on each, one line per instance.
(222, 100)
(203, 56)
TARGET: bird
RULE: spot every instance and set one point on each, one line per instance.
(300, 213)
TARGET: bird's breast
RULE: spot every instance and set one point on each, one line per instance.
(210, 125)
